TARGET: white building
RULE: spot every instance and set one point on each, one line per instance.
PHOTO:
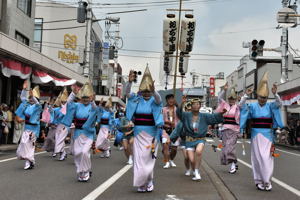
(59, 36)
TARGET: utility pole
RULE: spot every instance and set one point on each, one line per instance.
(177, 48)
(284, 48)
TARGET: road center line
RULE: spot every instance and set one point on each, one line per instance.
(104, 186)
(15, 158)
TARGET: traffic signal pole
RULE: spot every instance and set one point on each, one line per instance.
(284, 50)
(177, 48)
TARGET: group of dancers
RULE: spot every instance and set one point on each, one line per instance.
(145, 124)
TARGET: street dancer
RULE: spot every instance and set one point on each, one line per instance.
(231, 129)
(29, 111)
(84, 114)
(264, 117)
(178, 132)
(105, 119)
(62, 128)
(145, 111)
(170, 120)
(195, 125)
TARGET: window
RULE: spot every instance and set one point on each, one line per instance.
(241, 73)
(25, 6)
(38, 34)
(20, 37)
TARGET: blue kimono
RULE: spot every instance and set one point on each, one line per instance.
(200, 128)
(31, 114)
(84, 119)
(177, 132)
(254, 111)
(105, 118)
(57, 116)
(138, 106)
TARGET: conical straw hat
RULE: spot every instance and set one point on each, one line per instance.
(36, 92)
(64, 95)
(263, 89)
(86, 90)
(57, 101)
(232, 93)
(147, 81)
(108, 103)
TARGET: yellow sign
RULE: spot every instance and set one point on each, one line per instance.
(68, 57)
(70, 42)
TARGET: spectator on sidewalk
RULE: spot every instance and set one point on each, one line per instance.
(5, 123)
(298, 132)
(10, 119)
(1, 124)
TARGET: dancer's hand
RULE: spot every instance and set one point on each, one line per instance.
(226, 86)
(184, 99)
(249, 91)
(274, 89)
(132, 76)
(25, 85)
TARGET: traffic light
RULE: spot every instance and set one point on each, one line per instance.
(81, 11)
(260, 48)
(257, 48)
(254, 47)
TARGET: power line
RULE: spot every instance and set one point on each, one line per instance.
(159, 52)
(140, 56)
(152, 57)
(62, 20)
(54, 29)
(107, 6)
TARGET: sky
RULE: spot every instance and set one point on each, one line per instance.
(221, 28)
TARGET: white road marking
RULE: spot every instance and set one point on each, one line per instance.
(275, 180)
(209, 140)
(172, 197)
(239, 142)
(15, 158)
(287, 152)
(249, 142)
(104, 186)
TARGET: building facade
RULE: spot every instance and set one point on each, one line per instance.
(17, 19)
(59, 36)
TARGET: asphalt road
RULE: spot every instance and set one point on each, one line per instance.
(112, 179)
(241, 184)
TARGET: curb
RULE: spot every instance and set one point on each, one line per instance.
(8, 148)
(222, 189)
(288, 146)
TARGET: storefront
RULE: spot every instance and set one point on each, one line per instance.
(19, 62)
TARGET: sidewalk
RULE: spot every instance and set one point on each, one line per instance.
(8, 147)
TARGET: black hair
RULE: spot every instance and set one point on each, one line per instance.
(168, 96)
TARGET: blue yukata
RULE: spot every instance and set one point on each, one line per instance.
(195, 132)
(263, 120)
(105, 119)
(31, 114)
(84, 117)
(148, 122)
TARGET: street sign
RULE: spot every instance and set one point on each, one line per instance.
(105, 53)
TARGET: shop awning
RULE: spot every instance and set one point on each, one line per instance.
(41, 77)
(291, 98)
(14, 68)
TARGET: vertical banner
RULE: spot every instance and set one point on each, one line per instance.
(105, 53)
(212, 86)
